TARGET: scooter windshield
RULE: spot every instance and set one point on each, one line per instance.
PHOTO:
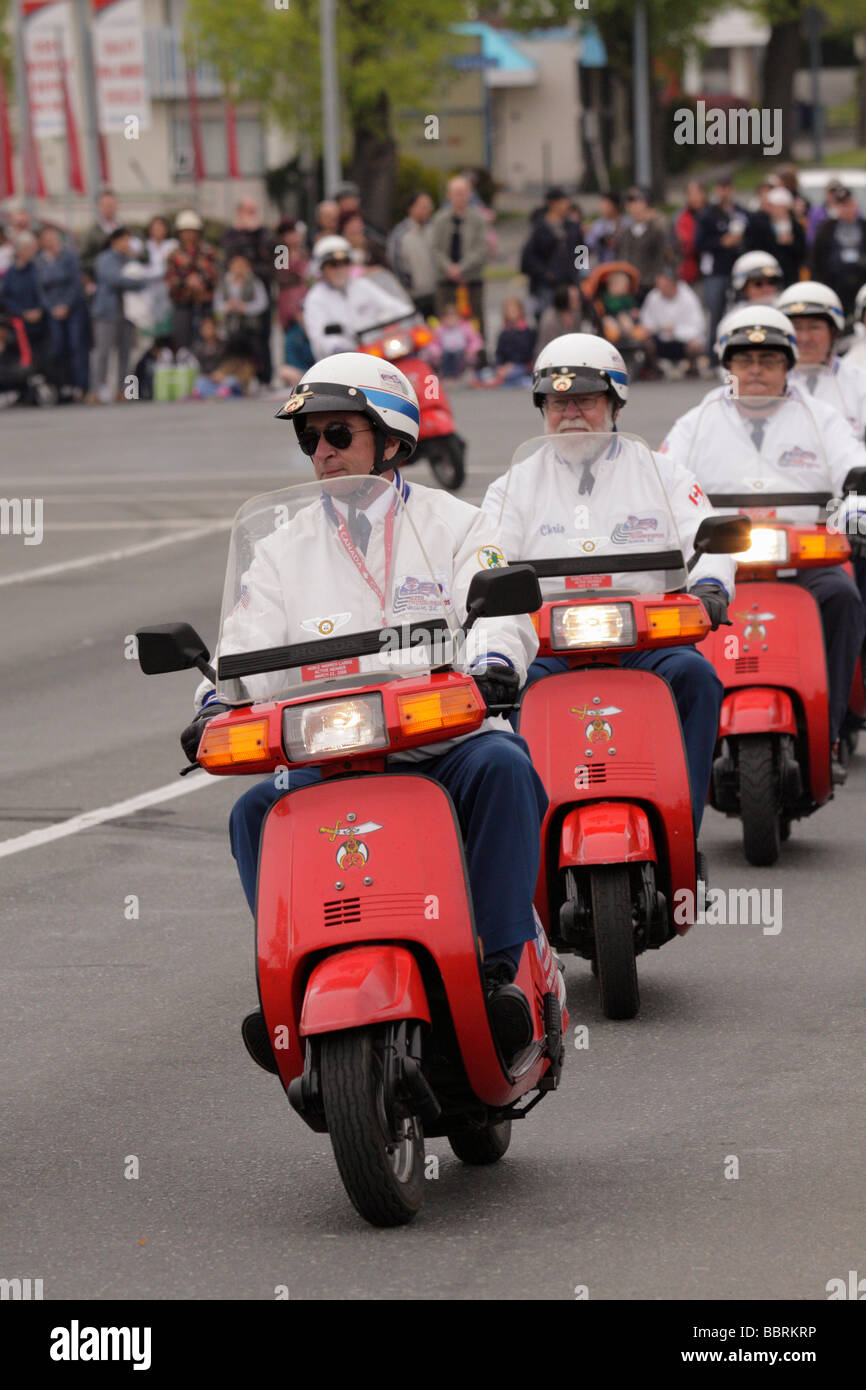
(763, 455)
(589, 511)
(329, 584)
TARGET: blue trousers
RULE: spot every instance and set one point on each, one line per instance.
(698, 694)
(500, 803)
(860, 576)
(842, 619)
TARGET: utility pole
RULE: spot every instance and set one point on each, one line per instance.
(641, 100)
(25, 129)
(813, 30)
(330, 109)
(91, 113)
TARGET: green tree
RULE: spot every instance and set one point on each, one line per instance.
(390, 53)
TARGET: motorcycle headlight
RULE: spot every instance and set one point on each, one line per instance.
(769, 546)
(334, 726)
(592, 625)
(400, 345)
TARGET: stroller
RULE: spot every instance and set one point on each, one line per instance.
(621, 327)
(21, 381)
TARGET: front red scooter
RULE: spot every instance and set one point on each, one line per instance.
(368, 959)
(773, 762)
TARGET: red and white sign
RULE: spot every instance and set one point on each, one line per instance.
(48, 54)
(118, 60)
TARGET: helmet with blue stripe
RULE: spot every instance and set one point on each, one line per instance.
(811, 299)
(576, 364)
(358, 382)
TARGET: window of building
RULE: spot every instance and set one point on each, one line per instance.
(250, 140)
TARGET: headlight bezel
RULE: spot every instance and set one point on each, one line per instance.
(303, 744)
(587, 620)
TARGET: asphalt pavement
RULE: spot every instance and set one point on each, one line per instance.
(128, 960)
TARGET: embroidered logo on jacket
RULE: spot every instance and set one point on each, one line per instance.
(635, 529)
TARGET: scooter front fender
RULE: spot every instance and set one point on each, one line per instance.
(610, 832)
(757, 709)
(363, 986)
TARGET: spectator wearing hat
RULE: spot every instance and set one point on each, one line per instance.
(191, 275)
(549, 254)
(775, 229)
(839, 250)
(112, 331)
(459, 243)
(718, 243)
(645, 241)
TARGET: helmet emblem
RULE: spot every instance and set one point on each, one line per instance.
(757, 335)
(295, 403)
(562, 383)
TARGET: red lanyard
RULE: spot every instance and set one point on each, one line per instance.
(357, 558)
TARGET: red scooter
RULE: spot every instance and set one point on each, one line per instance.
(618, 873)
(403, 341)
(368, 958)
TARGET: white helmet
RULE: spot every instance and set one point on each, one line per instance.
(357, 381)
(754, 326)
(188, 221)
(809, 298)
(752, 264)
(329, 250)
(578, 363)
(860, 304)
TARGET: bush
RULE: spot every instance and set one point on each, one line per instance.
(678, 158)
(415, 177)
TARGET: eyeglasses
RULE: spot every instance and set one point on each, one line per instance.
(763, 281)
(337, 261)
(583, 402)
(757, 359)
(338, 435)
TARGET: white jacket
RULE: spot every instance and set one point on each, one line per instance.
(543, 492)
(680, 318)
(807, 446)
(302, 582)
(361, 305)
(841, 384)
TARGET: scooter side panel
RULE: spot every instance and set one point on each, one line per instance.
(436, 417)
(777, 640)
(611, 734)
(362, 985)
(757, 709)
(401, 866)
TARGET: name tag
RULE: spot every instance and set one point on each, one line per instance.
(325, 670)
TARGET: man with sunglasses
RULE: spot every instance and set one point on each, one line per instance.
(357, 416)
(818, 318)
(756, 278)
(764, 429)
(580, 385)
(338, 308)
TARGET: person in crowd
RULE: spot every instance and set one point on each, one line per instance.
(158, 349)
(95, 239)
(239, 302)
(674, 316)
(414, 250)
(209, 347)
(325, 221)
(158, 246)
(251, 238)
(603, 236)
(685, 230)
(418, 214)
(112, 332)
(459, 244)
(58, 271)
(621, 312)
(839, 250)
(778, 232)
(515, 348)
(20, 221)
(191, 275)
(364, 252)
(348, 199)
(292, 274)
(234, 376)
(7, 251)
(456, 344)
(645, 241)
(21, 295)
(718, 242)
(820, 212)
(789, 178)
(549, 254)
(756, 278)
(563, 315)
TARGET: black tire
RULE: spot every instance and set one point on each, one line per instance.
(480, 1146)
(447, 458)
(613, 926)
(760, 811)
(384, 1180)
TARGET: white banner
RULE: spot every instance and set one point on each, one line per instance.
(118, 58)
(48, 43)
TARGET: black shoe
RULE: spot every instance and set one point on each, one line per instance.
(257, 1042)
(507, 1008)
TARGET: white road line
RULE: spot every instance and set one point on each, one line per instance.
(166, 522)
(193, 783)
(103, 557)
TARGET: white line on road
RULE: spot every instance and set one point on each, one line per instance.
(193, 783)
(126, 553)
(167, 522)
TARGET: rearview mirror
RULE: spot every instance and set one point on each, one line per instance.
(171, 647)
(723, 535)
(502, 593)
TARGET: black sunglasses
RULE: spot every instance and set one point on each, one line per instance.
(338, 435)
(762, 281)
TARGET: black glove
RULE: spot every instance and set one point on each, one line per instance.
(498, 685)
(191, 736)
(715, 601)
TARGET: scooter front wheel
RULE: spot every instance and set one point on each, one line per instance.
(613, 924)
(380, 1158)
(759, 800)
(446, 456)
